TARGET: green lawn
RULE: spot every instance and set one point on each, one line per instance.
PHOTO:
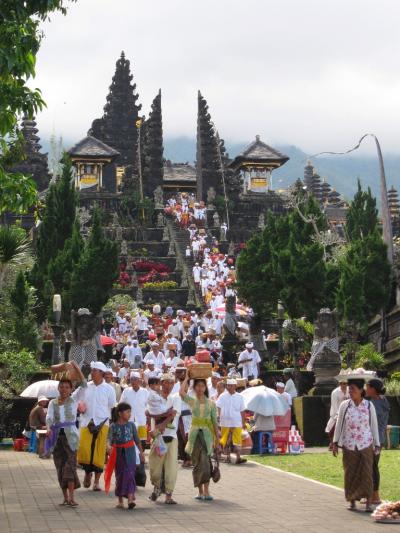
(328, 469)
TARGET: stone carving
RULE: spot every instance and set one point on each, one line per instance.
(171, 248)
(230, 320)
(325, 359)
(115, 219)
(124, 248)
(261, 221)
(160, 220)
(85, 328)
(222, 231)
(158, 197)
(118, 233)
(216, 220)
(165, 235)
(211, 195)
(231, 248)
(139, 297)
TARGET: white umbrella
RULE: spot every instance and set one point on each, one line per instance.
(46, 387)
(264, 401)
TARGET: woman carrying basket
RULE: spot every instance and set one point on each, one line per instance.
(203, 435)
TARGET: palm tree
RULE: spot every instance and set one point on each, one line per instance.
(15, 251)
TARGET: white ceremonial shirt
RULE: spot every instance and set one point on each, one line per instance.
(250, 368)
(131, 353)
(290, 388)
(137, 400)
(231, 406)
(337, 397)
(99, 400)
(159, 359)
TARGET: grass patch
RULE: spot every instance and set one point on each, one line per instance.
(328, 469)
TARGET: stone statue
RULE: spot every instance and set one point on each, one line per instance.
(231, 248)
(211, 195)
(261, 221)
(124, 248)
(158, 198)
(222, 231)
(216, 220)
(230, 320)
(160, 220)
(115, 219)
(118, 233)
(85, 328)
(325, 359)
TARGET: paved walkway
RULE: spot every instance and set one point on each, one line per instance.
(249, 498)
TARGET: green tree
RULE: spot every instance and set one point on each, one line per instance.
(362, 216)
(21, 36)
(54, 230)
(96, 270)
(22, 300)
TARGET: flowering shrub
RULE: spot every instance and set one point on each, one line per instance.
(160, 285)
(147, 266)
(153, 276)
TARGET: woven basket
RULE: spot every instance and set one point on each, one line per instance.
(200, 371)
(64, 370)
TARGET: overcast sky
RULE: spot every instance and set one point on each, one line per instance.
(313, 73)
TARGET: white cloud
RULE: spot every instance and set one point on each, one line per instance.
(314, 73)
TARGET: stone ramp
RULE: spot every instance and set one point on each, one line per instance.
(249, 498)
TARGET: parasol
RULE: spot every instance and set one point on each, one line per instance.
(46, 387)
(264, 401)
(107, 341)
(240, 310)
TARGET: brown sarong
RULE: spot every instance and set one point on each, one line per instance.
(358, 465)
(65, 462)
(201, 461)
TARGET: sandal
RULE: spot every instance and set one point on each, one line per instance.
(199, 497)
(154, 496)
(208, 498)
(131, 505)
(72, 503)
(87, 481)
(240, 461)
(352, 506)
(64, 503)
(96, 488)
(170, 502)
(119, 506)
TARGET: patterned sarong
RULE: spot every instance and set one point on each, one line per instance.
(358, 465)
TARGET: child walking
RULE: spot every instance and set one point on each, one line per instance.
(125, 451)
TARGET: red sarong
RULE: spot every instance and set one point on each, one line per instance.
(111, 463)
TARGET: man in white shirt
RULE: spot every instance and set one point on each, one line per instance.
(212, 386)
(99, 398)
(280, 387)
(136, 397)
(142, 324)
(174, 328)
(196, 274)
(166, 466)
(338, 396)
(155, 355)
(151, 371)
(250, 360)
(125, 370)
(290, 387)
(133, 353)
(231, 412)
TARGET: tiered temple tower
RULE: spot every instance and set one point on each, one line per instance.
(117, 127)
(34, 163)
(394, 209)
(153, 149)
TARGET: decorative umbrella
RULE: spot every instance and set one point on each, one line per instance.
(240, 310)
(264, 401)
(107, 341)
(46, 387)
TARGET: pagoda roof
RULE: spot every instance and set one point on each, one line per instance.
(260, 151)
(92, 147)
(179, 172)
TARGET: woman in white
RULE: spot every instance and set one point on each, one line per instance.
(357, 434)
(63, 436)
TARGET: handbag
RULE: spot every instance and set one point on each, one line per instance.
(140, 475)
(215, 470)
